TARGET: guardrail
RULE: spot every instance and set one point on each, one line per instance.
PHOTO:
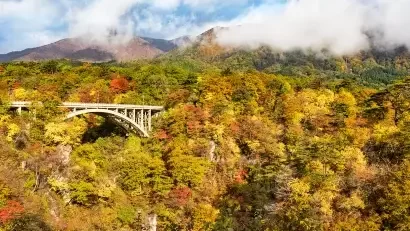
(26, 104)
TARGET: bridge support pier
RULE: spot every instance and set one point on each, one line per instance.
(142, 120)
(149, 120)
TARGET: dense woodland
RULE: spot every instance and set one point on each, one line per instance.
(250, 140)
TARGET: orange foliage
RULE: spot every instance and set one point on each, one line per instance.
(35, 147)
(92, 120)
(240, 176)
(94, 94)
(85, 96)
(180, 196)
(211, 50)
(48, 91)
(10, 211)
(16, 85)
(47, 88)
(178, 96)
(235, 128)
(119, 85)
(193, 126)
(195, 118)
(162, 135)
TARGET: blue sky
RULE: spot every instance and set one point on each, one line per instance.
(336, 25)
(30, 23)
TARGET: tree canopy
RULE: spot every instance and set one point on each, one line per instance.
(248, 141)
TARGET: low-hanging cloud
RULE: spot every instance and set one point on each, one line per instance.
(339, 26)
(119, 20)
(102, 19)
(30, 23)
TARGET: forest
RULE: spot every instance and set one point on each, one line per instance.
(248, 141)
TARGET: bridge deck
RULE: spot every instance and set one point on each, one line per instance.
(23, 104)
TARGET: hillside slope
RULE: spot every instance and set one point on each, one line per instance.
(374, 67)
(79, 49)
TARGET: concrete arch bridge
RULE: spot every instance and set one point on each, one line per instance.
(134, 118)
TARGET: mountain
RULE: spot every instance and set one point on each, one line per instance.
(375, 67)
(183, 41)
(82, 50)
(162, 44)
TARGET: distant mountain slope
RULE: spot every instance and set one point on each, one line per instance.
(82, 50)
(373, 67)
(162, 44)
(78, 49)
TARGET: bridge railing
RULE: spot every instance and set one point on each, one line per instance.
(123, 106)
(20, 104)
(25, 104)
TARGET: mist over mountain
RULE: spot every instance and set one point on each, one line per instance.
(340, 27)
(217, 41)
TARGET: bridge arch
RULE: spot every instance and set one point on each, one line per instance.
(118, 116)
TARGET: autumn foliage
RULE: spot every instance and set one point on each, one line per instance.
(180, 196)
(10, 211)
(248, 140)
(119, 84)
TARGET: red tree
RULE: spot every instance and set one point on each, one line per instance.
(240, 176)
(10, 211)
(119, 85)
(180, 196)
(161, 134)
(195, 119)
(16, 85)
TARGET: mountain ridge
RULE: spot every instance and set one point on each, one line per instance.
(81, 50)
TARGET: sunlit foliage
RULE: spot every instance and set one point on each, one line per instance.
(248, 141)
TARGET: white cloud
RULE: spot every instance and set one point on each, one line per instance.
(393, 20)
(336, 25)
(168, 26)
(101, 18)
(25, 24)
(32, 23)
(165, 4)
(199, 5)
(26, 14)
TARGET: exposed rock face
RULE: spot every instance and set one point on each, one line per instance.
(212, 146)
(63, 152)
(152, 222)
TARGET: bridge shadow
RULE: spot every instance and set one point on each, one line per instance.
(106, 129)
